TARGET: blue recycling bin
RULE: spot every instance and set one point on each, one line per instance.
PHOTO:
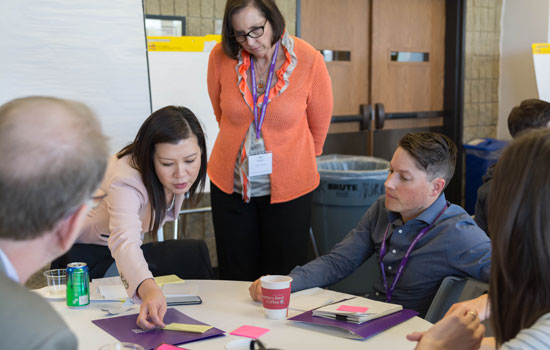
(480, 155)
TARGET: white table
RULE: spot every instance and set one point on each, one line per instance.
(227, 306)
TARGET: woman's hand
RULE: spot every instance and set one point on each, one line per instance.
(479, 305)
(255, 290)
(461, 329)
(153, 306)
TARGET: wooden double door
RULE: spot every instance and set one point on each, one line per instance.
(386, 60)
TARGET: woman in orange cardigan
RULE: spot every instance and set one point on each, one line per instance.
(263, 167)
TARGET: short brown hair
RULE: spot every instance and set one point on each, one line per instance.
(434, 153)
(269, 10)
(54, 156)
(519, 203)
(530, 114)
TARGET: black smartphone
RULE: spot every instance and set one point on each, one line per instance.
(183, 300)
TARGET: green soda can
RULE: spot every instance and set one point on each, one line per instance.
(78, 284)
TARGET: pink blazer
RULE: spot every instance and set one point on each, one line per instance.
(121, 219)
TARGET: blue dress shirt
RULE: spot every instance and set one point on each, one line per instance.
(455, 246)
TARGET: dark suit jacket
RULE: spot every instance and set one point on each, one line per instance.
(28, 321)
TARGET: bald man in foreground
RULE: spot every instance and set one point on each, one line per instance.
(53, 156)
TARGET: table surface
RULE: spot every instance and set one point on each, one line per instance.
(227, 306)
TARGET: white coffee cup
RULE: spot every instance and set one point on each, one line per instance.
(275, 295)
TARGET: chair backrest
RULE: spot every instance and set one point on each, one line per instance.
(453, 290)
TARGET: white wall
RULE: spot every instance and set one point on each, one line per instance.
(523, 23)
(90, 51)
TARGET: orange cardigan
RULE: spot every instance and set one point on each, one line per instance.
(295, 125)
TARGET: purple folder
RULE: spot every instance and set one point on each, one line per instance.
(124, 328)
(358, 331)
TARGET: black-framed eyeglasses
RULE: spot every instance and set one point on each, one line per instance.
(254, 34)
(258, 345)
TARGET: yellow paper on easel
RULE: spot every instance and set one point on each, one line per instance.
(168, 279)
(184, 327)
(183, 43)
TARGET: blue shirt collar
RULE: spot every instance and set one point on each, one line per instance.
(428, 215)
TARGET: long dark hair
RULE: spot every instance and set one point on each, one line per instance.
(519, 203)
(170, 124)
(269, 10)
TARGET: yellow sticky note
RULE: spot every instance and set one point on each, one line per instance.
(184, 327)
(168, 279)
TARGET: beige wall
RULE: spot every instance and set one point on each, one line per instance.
(523, 23)
(205, 16)
(481, 76)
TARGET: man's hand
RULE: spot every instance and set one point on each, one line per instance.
(479, 305)
(255, 290)
(153, 307)
(461, 329)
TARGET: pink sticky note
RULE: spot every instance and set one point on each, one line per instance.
(168, 347)
(349, 308)
(250, 331)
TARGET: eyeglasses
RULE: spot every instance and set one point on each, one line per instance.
(254, 34)
(94, 201)
(258, 345)
(91, 203)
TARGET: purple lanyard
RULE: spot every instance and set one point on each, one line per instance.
(266, 96)
(389, 292)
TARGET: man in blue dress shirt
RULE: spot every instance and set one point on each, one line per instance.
(420, 236)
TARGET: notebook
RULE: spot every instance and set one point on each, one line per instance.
(352, 330)
(357, 310)
(124, 328)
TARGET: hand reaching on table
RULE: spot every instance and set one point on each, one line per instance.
(479, 305)
(255, 290)
(153, 306)
(461, 329)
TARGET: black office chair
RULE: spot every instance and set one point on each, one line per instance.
(453, 290)
(186, 258)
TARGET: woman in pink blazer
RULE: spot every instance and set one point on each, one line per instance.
(144, 186)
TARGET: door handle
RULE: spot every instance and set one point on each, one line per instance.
(367, 115)
(379, 116)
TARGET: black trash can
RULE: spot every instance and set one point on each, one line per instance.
(349, 186)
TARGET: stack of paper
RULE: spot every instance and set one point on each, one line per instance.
(313, 298)
(357, 310)
(111, 288)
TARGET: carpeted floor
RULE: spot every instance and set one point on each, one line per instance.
(37, 280)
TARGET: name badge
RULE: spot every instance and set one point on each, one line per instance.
(260, 164)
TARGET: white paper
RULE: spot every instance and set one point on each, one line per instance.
(313, 298)
(116, 292)
(180, 289)
(110, 286)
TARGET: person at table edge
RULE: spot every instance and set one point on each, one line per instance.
(54, 156)
(449, 243)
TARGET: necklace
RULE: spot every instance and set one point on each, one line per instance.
(261, 85)
(172, 203)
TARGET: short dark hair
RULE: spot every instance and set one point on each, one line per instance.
(434, 153)
(519, 203)
(530, 114)
(269, 10)
(170, 124)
